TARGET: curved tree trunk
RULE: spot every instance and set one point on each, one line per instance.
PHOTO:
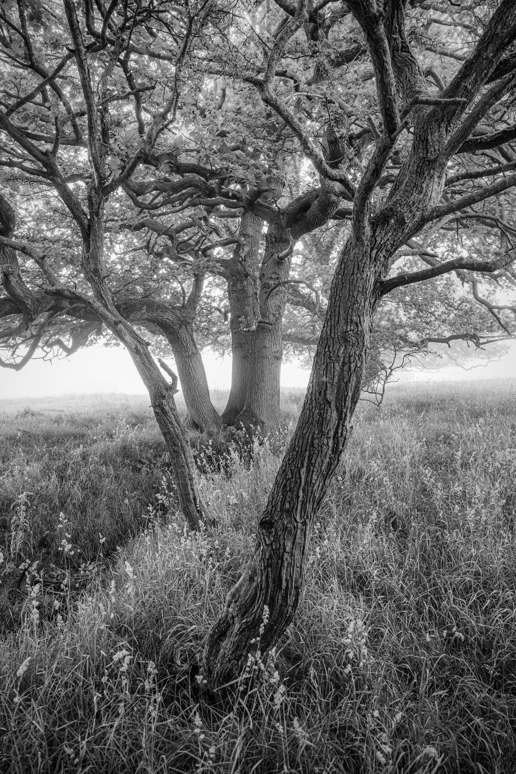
(267, 594)
(160, 392)
(181, 458)
(192, 376)
(165, 411)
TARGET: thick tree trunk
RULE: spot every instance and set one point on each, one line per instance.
(241, 345)
(261, 410)
(192, 377)
(267, 594)
(262, 403)
(244, 311)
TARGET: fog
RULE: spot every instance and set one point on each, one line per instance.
(107, 370)
(110, 370)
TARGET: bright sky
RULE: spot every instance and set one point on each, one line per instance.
(100, 369)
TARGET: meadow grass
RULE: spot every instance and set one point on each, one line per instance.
(402, 657)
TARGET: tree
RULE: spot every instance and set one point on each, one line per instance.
(428, 150)
(457, 318)
(30, 45)
(219, 182)
(262, 604)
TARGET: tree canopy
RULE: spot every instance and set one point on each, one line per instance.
(208, 112)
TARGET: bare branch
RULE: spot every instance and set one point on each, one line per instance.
(17, 366)
(474, 198)
(97, 149)
(173, 376)
(488, 141)
(40, 87)
(443, 268)
(79, 338)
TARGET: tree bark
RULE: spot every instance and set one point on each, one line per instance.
(172, 430)
(261, 411)
(160, 392)
(165, 412)
(192, 376)
(262, 403)
(303, 215)
(243, 291)
(241, 345)
(267, 594)
(176, 324)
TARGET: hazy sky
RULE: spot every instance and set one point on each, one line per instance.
(101, 369)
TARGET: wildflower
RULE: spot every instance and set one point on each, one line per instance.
(23, 668)
(129, 570)
(279, 696)
(121, 654)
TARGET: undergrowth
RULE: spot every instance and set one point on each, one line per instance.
(402, 657)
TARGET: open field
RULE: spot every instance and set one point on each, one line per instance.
(402, 657)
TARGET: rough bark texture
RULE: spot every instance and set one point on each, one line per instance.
(241, 345)
(176, 324)
(268, 592)
(263, 602)
(257, 304)
(261, 411)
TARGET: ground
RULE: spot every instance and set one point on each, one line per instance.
(402, 657)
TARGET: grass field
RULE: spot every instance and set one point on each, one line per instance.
(402, 657)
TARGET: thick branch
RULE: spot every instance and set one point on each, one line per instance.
(371, 21)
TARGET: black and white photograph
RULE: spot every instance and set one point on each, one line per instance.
(257, 387)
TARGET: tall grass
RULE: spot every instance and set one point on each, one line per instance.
(402, 657)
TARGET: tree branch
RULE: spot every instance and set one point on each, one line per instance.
(371, 21)
(173, 376)
(468, 201)
(443, 268)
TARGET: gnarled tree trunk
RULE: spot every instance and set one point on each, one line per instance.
(268, 592)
